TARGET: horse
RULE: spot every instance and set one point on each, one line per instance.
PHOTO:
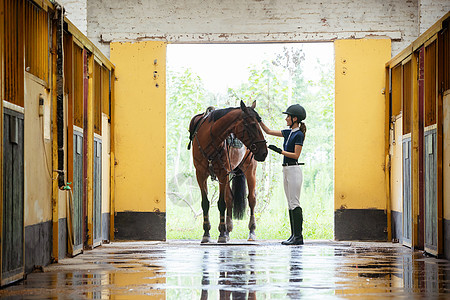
(214, 156)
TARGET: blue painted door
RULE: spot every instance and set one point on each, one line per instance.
(407, 207)
(12, 241)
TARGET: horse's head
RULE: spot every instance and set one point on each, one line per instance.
(249, 132)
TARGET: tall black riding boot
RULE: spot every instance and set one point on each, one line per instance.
(291, 221)
(297, 216)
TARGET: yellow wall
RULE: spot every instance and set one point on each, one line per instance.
(446, 159)
(396, 166)
(140, 126)
(359, 119)
(38, 183)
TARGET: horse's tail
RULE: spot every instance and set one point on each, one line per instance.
(239, 190)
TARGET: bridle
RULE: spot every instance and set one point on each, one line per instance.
(252, 136)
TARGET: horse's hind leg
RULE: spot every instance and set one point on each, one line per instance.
(205, 207)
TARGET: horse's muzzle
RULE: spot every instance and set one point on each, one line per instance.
(259, 153)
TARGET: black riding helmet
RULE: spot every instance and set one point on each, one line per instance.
(296, 110)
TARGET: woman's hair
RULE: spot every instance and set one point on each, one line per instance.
(303, 128)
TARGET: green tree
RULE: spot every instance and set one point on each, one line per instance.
(186, 97)
(274, 83)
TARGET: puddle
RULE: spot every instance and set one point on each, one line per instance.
(186, 270)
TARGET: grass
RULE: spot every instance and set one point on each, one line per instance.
(272, 223)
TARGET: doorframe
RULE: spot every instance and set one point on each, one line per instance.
(421, 147)
(2, 87)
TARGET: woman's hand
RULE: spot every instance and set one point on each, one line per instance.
(270, 131)
(295, 155)
(275, 148)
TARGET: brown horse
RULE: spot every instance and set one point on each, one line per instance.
(214, 156)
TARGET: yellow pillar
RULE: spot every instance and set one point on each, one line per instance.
(360, 181)
(140, 140)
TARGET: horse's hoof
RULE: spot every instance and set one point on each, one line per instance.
(223, 239)
(206, 239)
(251, 237)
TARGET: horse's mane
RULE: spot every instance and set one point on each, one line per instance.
(219, 113)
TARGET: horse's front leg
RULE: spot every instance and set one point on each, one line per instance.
(223, 237)
(229, 204)
(202, 182)
(206, 224)
(252, 221)
(251, 184)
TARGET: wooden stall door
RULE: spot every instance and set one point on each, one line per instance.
(75, 82)
(430, 159)
(13, 197)
(78, 189)
(406, 147)
(430, 154)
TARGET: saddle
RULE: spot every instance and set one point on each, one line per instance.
(197, 120)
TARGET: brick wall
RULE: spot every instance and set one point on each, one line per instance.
(430, 11)
(194, 21)
(76, 11)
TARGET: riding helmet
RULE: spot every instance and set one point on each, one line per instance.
(296, 110)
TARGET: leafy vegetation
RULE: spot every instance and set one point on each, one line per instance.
(275, 84)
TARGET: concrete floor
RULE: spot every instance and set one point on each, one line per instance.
(239, 270)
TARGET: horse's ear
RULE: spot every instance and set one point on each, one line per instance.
(254, 104)
(243, 107)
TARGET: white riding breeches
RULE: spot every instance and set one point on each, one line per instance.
(293, 179)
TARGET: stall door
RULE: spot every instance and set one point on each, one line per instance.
(432, 212)
(407, 207)
(430, 174)
(406, 146)
(13, 197)
(78, 189)
(97, 191)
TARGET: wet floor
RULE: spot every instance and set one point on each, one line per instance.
(264, 270)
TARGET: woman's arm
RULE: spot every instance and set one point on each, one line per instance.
(295, 155)
(270, 131)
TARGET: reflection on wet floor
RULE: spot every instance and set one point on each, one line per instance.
(188, 270)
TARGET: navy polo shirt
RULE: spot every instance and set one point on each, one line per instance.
(292, 137)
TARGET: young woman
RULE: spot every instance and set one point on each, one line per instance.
(292, 172)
